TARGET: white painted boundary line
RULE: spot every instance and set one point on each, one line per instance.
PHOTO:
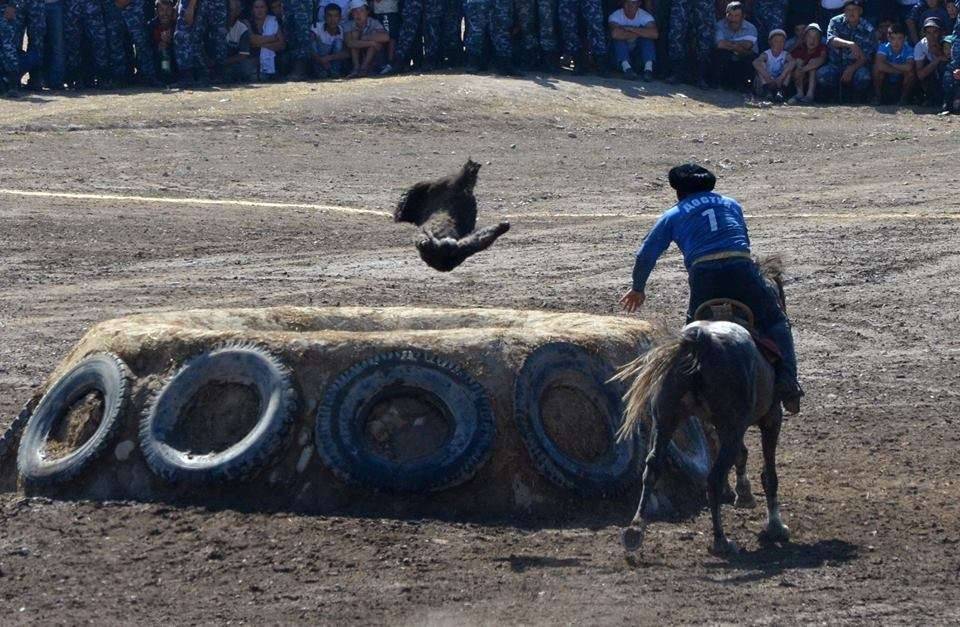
(384, 214)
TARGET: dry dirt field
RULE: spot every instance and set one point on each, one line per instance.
(863, 204)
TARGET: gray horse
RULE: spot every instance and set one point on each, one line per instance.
(714, 370)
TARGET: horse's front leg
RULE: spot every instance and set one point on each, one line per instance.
(660, 435)
(730, 445)
(775, 531)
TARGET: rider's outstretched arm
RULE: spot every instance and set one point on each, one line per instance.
(654, 244)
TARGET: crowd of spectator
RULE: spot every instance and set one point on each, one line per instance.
(795, 51)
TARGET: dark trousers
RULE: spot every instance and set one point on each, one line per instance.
(740, 280)
(732, 71)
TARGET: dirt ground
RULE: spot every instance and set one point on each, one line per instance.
(861, 202)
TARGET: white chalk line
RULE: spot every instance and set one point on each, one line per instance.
(374, 212)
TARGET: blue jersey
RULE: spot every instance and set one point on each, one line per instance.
(700, 224)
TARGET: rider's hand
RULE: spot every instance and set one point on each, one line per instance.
(632, 301)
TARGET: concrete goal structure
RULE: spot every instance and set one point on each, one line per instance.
(401, 411)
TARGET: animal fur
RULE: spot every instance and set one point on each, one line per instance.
(446, 212)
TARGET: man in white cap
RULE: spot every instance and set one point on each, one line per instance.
(367, 40)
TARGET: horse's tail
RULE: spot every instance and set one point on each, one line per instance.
(676, 357)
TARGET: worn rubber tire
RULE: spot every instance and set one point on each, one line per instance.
(102, 372)
(340, 417)
(608, 478)
(241, 363)
(694, 461)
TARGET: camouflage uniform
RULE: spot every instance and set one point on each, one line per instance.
(768, 15)
(32, 20)
(489, 16)
(592, 13)
(420, 17)
(205, 39)
(296, 25)
(451, 43)
(9, 56)
(129, 26)
(698, 17)
(536, 18)
(828, 76)
(84, 27)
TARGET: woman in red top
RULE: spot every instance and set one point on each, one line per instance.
(809, 54)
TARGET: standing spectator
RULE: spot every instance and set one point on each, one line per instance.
(266, 40)
(329, 52)
(633, 32)
(951, 76)
(201, 34)
(297, 21)
(161, 29)
(696, 17)
(591, 12)
(923, 11)
(32, 22)
(238, 67)
(736, 46)
(367, 41)
(84, 29)
(774, 68)
(851, 48)
(903, 9)
(930, 60)
(767, 16)
(387, 12)
(661, 15)
(536, 19)
(451, 32)
(829, 9)
(421, 23)
(53, 51)
(9, 53)
(801, 12)
(127, 21)
(893, 66)
(808, 56)
(493, 18)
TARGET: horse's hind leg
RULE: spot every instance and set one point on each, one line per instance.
(744, 491)
(775, 531)
(660, 435)
(730, 448)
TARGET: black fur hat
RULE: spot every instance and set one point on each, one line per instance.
(691, 178)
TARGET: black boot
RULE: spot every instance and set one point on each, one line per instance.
(788, 389)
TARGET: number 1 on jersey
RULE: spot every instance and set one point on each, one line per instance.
(711, 215)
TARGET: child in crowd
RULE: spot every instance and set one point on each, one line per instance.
(329, 53)
(951, 78)
(774, 67)
(266, 40)
(238, 66)
(809, 55)
(796, 39)
(161, 29)
(894, 66)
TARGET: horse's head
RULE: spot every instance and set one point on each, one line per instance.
(771, 269)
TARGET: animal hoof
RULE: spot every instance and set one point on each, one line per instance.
(632, 538)
(775, 533)
(745, 501)
(724, 548)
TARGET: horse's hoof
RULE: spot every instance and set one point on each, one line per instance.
(745, 501)
(632, 538)
(773, 534)
(724, 548)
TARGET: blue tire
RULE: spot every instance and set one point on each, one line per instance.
(104, 373)
(567, 369)
(366, 424)
(242, 364)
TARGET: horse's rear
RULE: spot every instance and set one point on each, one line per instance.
(714, 370)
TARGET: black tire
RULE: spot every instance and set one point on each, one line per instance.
(551, 365)
(102, 372)
(348, 405)
(692, 458)
(11, 437)
(244, 364)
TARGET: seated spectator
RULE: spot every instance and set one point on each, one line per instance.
(931, 61)
(952, 14)
(951, 76)
(882, 31)
(329, 52)
(774, 68)
(238, 66)
(265, 40)
(893, 66)
(367, 41)
(283, 61)
(633, 32)
(736, 45)
(850, 50)
(808, 56)
(161, 29)
(923, 11)
(797, 38)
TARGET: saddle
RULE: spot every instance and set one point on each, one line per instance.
(734, 311)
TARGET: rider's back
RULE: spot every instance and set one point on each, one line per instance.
(707, 223)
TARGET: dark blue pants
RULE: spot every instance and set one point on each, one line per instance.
(740, 280)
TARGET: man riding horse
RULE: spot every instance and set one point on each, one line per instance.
(711, 232)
